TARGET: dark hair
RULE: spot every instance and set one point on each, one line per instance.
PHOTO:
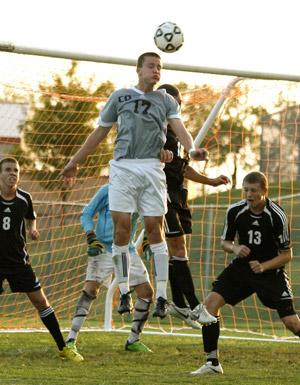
(141, 58)
(172, 90)
(8, 160)
(257, 177)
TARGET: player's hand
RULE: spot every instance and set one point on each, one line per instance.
(166, 156)
(256, 267)
(146, 250)
(241, 251)
(95, 247)
(221, 179)
(199, 154)
(34, 234)
(68, 174)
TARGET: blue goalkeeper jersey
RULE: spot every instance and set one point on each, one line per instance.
(98, 205)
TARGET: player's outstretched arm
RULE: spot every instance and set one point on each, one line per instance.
(185, 138)
(195, 176)
(32, 230)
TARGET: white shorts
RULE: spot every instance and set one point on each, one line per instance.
(138, 185)
(101, 268)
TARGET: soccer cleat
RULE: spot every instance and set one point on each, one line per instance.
(183, 313)
(70, 354)
(208, 368)
(137, 346)
(160, 309)
(201, 315)
(125, 304)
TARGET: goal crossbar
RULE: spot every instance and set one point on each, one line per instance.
(12, 48)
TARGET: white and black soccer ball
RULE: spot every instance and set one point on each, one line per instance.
(168, 37)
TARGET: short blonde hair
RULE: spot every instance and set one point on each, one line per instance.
(257, 177)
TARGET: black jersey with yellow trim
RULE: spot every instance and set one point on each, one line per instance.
(174, 170)
(265, 234)
(13, 214)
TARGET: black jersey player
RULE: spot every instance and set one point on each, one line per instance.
(17, 216)
(256, 231)
(178, 224)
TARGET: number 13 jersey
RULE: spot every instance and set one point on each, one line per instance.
(265, 234)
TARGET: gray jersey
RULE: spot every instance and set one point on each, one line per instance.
(141, 121)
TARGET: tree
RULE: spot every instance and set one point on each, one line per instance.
(234, 137)
(60, 119)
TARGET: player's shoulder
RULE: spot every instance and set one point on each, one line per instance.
(238, 207)
(164, 95)
(24, 195)
(275, 208)
(118, 92)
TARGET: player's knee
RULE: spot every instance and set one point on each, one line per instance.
(122, 235)
(148, 292)
(144, 291)
(40, 302)
(213, 303)
(91, 289)
(89, 294)
(292, 323)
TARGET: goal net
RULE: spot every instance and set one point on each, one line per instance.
(48, 107)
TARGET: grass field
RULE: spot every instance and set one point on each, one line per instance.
(31, 359)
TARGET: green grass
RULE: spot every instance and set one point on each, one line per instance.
(31, 359)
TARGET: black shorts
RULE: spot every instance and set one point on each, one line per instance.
(237, 282)
(178, 220)
(21, 279)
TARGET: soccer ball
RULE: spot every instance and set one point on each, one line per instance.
(168, 37)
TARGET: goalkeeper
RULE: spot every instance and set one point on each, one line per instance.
(100, 269)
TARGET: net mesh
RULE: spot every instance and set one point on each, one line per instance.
(49, 106)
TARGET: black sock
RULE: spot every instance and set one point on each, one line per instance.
(214, 361)
(49, 319)
(183, 277)
(177, 295)
(210, 335)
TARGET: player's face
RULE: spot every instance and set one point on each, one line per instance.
(255, 196)
(9, 174)
(149, 73)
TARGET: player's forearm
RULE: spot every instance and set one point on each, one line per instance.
(89, 145)
(31, 225)
(227, 246)
(184, 137)
(86, 222)
(195, 176)
(282, 259)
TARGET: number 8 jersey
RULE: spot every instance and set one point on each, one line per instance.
(265, 234)
(13, 213)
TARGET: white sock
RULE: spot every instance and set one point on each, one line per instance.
(121, 260)
(161, 267)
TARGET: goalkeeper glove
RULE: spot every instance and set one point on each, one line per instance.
(95, 247)
(146, 249)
